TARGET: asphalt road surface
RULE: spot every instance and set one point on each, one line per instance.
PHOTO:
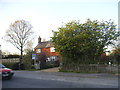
(38, 79)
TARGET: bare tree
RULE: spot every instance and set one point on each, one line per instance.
(19, 34)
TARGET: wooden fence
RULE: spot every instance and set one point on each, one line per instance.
(15, 60)
(94, 68)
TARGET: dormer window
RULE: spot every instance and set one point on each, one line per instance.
(52, 49)
(38, 51)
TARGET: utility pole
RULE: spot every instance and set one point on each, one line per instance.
(0, 53)
(119, 30)
(0, 72)
(119, 22)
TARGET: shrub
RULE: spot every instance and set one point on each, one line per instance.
(9, 64)
(27, 60)
(18, 66)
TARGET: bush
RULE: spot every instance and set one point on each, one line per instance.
(9, 65)
(27, 61)
(51, 66)
(18, 66)
(43, 65)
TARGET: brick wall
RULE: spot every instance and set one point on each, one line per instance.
(47, 52)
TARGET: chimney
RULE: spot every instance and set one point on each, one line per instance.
(39, 39)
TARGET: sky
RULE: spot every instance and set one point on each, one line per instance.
(48, 15)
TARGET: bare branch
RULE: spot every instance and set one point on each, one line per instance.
(19, 33)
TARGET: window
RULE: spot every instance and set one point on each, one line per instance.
(38, 51)
(52, 49)
(48, 59)
(53, 58)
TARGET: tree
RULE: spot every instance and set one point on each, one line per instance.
(19, 34)
(115, 55)
(42, 58)
(84, 43)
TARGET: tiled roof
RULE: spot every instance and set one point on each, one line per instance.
(44, 45)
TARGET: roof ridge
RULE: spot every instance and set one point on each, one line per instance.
(45, 44)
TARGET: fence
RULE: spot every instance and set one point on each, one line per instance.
(91, 68)
(15, 60)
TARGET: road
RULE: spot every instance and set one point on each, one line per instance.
(39, 79)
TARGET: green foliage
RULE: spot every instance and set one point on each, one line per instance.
(9, 64)
(84, 43)
(115, 55)
(27, 60)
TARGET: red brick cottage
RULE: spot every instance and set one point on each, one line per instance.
(47, 49)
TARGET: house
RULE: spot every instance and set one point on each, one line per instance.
(46, 50)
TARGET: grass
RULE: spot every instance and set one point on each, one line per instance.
(29, 70)
(87, 72)
(78, 71)
(33, 69)
(82, 71)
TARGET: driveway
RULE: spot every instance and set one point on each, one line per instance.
(56, 69)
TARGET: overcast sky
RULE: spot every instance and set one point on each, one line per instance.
(48, 15)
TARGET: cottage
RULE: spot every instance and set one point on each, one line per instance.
(46, 50)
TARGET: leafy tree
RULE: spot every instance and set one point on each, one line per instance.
(19, 34)
(84, 43)
(115, 55)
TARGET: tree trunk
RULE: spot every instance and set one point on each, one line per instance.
(21, 57)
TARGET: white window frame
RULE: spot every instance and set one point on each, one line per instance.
(38, 50)
(52, 49)
(52, 58)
